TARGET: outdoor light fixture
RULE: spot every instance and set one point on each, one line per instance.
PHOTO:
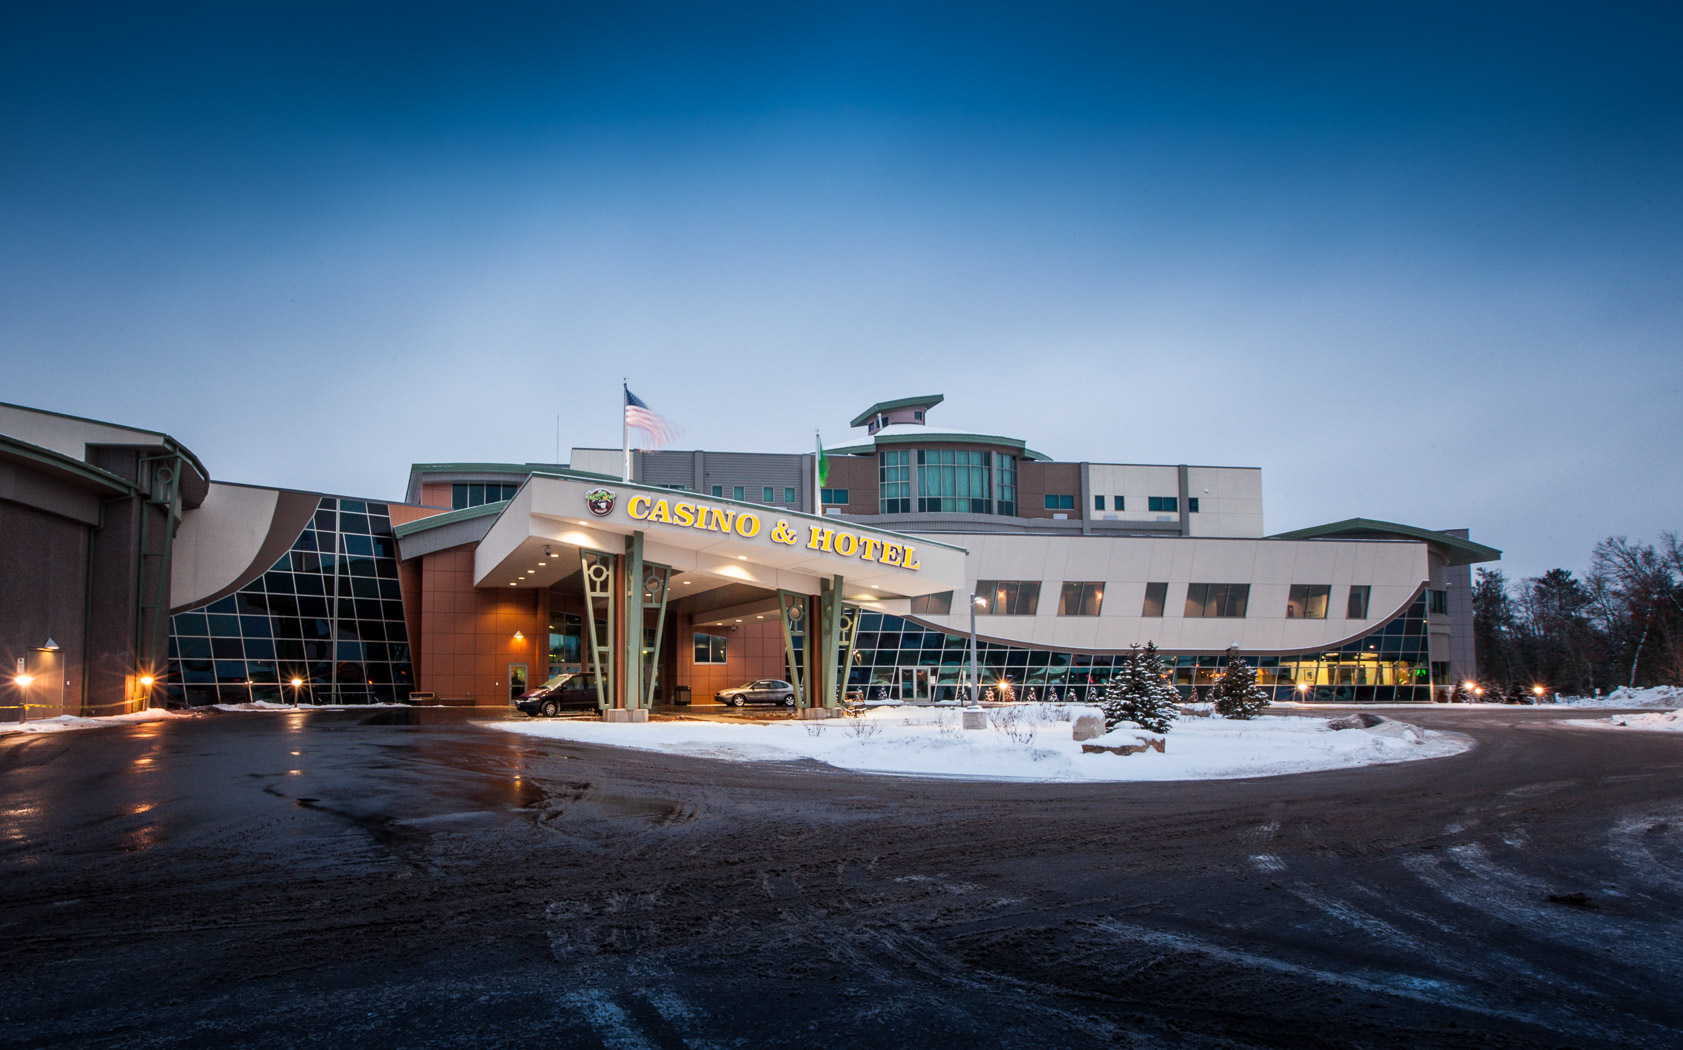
(296, 682)
(1538, 690)
(25, 680)
(519, 637)
(51, 645)
(146, 680)
(547, 552)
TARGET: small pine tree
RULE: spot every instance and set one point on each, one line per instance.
(1516, 695)
(1138, 693)
(1461, 695)
(1237, 695)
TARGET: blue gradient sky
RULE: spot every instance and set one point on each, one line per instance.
(1419, 263)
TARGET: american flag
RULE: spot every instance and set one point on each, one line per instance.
(639, 416)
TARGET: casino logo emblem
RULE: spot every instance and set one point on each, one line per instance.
(600, 501)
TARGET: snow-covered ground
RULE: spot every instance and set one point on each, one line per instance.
(64, 722)
(1027, 742)
(1662, 697)
(1663, 721)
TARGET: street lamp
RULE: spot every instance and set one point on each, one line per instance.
(975, 677)
(297, 684)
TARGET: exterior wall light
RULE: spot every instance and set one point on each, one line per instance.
(519, 637)
(146, 680)
(25, 680)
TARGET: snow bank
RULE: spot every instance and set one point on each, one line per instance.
(1033, 746)
(1664, 721)
(1666, 697)
(64, 722)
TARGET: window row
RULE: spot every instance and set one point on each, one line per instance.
(475, 494)
(768, 493)
(1086, 598)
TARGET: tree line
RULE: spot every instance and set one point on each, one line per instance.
(1620, 624)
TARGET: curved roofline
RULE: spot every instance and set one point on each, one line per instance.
(1461, 551)
(940, 437)
(924, 401)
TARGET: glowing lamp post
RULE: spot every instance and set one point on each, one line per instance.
(973, 716)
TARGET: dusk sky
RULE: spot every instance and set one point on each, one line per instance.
(1421, 263)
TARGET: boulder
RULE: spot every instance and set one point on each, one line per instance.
(1124, 749)
(1088, 727)
(1359, 720)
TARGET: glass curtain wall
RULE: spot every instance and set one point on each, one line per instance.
(1388, 665)
(328, 613)
(954, 481)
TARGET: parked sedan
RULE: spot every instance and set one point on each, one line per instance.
(575, 691)
(764, 691)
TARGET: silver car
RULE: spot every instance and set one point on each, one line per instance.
(764, 691)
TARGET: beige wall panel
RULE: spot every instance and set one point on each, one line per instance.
(217, 541)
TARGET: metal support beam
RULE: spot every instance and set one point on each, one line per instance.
(791, 608)
(657, 581)
(599, 587)
(632, 660)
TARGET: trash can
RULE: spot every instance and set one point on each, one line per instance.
(681, 696)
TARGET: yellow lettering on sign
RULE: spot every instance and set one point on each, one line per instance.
(748, 525)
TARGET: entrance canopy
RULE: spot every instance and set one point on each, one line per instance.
(709, 542)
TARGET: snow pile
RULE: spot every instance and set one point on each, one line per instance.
(1665, 721)
(1032, 746)
(1666, 697)
(63, 722)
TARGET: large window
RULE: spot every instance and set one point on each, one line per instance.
(1005, 484)
(834, 496)
(709, 648)
(1156, 595)
(1060, 501)
(1163, 504)
(1357, 609)
(475, 494)
(1308, 601)
(953, 481)
(1081, 599)
(1007, 597)
(1217, 599)
(894, 482)
(933, 604)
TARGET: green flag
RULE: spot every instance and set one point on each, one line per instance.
(823, 465)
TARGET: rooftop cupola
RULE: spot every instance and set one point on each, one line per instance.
(901, 410)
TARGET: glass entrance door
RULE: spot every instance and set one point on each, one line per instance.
(516, 681)
(914, 684)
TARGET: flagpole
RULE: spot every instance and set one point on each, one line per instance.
(817, 478)
(625, 427)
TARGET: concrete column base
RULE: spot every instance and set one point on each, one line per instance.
(975, 718)
(817, 712)
(620, 714)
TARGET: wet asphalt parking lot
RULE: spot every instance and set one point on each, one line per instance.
(332, 879)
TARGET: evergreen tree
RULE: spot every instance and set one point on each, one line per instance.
(1237, 695)
(1140, 693)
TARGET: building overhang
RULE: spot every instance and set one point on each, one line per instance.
(535, 540)
(926, 401)
(1456, 550)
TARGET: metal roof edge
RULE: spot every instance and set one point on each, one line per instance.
(1473, 552)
